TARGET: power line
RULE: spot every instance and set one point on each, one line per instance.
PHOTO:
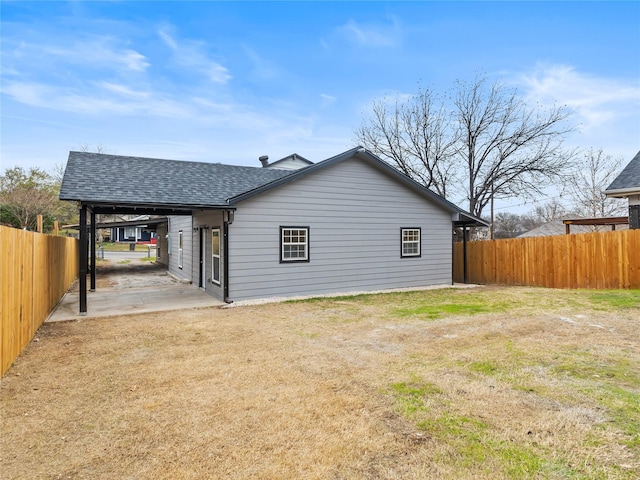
(530, 202)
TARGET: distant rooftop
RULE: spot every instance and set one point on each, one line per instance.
(628, 181)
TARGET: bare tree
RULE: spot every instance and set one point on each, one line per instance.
(509, 150)
(486, 144)
(550, 211)
(415, 137)
(99, 148)
(593, 173)
(508, 225)
(26, 194)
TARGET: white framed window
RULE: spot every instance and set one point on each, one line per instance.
(215, 256)
(180, 248)
(294, 244)
(410, 242)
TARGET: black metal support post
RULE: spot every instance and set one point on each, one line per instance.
(83, 260)
(464, 252)
(634, 216)
(93, 252)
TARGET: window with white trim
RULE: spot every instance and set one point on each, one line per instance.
(410, 242)
(294, 244)
(180, 245)
(215, 256)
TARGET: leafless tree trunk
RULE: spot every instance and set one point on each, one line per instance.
(502, 140)
(486, 143)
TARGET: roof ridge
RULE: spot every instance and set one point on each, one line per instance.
(172, 160)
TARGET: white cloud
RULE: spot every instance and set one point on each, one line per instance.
(190, 54)
(168, 40)
(134, 60)
(123, 90)
(373, 35)
(327, 99)
(597, 100)
(606, 109)
(91, 102)
(31, 94)
(262, 68)
(94, 52)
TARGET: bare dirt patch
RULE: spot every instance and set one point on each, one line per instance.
(495, 383)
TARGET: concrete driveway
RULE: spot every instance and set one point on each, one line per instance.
(129, 286)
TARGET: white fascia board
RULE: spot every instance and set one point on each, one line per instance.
(622, 192)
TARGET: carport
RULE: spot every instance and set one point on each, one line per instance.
(117, 185)
(132, 288)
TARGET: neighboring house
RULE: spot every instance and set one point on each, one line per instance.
(349, 223)
(627, 185)
(559, 227)
(131, 232)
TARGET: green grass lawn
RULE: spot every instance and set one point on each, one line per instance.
(123, 247)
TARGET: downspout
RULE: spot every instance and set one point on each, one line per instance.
(225, 252)
(453, 254)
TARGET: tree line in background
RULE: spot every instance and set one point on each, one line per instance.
(481, 142)
(582, 197)
(25, 194)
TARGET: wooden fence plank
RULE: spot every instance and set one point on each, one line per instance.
(35, 272)
(598, 260)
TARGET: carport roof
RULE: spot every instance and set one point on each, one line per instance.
(101, 179)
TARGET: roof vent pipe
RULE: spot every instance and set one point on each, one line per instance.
(264, 159)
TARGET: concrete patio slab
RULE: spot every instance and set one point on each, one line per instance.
(129, 289)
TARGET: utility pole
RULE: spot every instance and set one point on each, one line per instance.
(492, 192)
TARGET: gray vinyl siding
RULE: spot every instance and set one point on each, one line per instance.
(177, 223)
(210, 220)
(354, 213)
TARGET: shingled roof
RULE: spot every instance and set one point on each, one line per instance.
(110, 182)
(113, 179)
(628, 182)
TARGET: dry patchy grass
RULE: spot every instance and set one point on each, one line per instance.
(484, 383)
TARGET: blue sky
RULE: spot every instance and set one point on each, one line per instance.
(228, 82)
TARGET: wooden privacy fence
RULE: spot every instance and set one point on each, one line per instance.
(596, 260)
(35, 272)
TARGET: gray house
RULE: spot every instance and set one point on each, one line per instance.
(349, 223)
(627, 185)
